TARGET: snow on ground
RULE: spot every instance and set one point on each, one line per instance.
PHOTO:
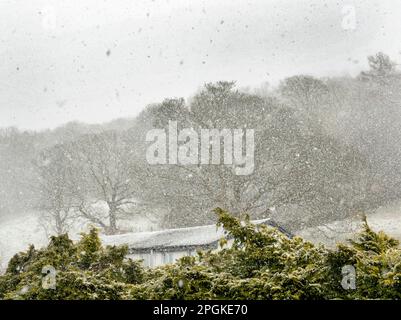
(387, 219)
(18, 232)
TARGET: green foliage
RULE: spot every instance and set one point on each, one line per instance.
(85, 270)
(261, 263)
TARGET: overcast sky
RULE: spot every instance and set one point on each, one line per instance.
(93, 61)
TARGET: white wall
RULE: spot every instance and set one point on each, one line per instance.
(157, 258)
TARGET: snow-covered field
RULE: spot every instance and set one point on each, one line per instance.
(387, 219)
(17, 233)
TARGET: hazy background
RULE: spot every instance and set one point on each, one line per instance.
(93, 61)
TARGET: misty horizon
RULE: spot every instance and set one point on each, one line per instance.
(91, 62)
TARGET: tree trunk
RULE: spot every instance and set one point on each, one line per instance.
(112, 219)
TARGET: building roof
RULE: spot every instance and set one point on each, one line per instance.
(175, 239)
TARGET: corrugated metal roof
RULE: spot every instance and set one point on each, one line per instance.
(192, 237)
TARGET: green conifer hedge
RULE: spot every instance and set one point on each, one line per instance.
(262, 263)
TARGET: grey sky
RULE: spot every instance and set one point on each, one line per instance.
(94, 61)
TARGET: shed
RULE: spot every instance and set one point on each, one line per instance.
(166, 246)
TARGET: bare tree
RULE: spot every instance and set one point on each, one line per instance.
(106, 175)
(56, 190)
(304, 92)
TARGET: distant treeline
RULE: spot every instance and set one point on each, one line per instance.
(325, 149)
